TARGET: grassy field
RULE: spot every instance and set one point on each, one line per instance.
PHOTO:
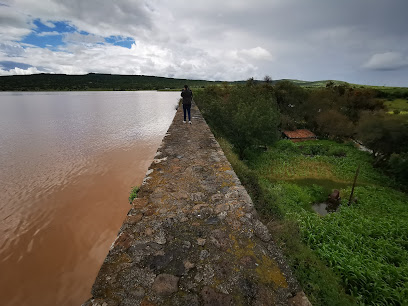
(358, 255)
(397, 106)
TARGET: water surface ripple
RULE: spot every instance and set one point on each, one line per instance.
(67, 162)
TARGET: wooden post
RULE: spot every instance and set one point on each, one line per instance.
(354, 184)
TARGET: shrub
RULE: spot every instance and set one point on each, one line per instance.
(398, 166)
(337, 152)
(288, 123)
(286, 145)
(333, 124)
(314, 149)
(245, 115)
(133, 193)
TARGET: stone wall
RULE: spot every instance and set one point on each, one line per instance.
(192, 237)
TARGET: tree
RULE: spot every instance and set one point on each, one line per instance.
(267, 79)
(333, 124)
(252, 118)
(398, 166)
(330, 84)
(383, 134)
(245, 115)
(250, 82)
(291, 98)
(355, 101)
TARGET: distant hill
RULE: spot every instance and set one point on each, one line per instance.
(94, 81)
(315, 83)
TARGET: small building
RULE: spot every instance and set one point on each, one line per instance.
(299, 135)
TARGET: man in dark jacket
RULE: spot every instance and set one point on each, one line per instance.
(187, 95)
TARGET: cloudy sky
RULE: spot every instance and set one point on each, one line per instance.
(359, 41)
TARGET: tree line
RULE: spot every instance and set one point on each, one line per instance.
(93, 81)
(255, 113)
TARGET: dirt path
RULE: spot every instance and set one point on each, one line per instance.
(193, 236)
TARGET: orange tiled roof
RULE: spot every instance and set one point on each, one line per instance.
(299, 134)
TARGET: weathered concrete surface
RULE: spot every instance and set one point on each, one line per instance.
(193, 236)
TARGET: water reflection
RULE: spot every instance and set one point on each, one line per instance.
(325, 208)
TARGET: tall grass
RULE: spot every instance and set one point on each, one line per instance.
(358, 255)
(366, 243)
(321, 284)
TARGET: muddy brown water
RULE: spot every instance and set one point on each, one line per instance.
(67, 164)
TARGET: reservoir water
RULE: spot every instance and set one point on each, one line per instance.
(68, 161)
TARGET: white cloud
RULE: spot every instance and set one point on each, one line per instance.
(256, 53)
(387, 61)
(141, 58)
(19, 71)
(79, 38)
(53, 33)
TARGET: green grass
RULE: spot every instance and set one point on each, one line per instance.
(321, 284)
(317, 162)
(398, 105)
(133, 193)
(361, 250)
(365, 243)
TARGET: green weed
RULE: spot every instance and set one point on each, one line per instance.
(362, 249)
(133, 193)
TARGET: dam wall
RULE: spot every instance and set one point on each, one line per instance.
(193, 237)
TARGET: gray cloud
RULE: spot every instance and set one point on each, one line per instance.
(387, 61)
(229, 40)
(11, 49)
(7, 65)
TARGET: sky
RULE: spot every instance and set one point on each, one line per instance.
(357, 41)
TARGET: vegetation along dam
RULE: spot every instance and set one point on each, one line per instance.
(192, 235)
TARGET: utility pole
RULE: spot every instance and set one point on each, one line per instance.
(354, 184)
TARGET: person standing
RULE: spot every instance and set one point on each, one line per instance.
(187, 95)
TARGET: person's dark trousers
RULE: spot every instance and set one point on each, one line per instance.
(187, 107)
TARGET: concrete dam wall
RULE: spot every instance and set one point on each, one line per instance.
(192, 237)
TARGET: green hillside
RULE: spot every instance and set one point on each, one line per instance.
(92, 81)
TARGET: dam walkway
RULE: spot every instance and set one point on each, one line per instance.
(192, 237)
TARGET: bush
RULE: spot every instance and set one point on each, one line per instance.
(398, 166)
(133, 193)
(314, 149)
(337, 152)
(288, 123)
(286, 145)
(384, 134)
(333, 124)
(245, 115)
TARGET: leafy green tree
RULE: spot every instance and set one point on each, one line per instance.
(398, 166)
(252, 118)
(288, 123)
(333, 124)
(383, 134)
(291, 98)
(330, 84)
(267, 79)
(318, 101)
(355, 101)
(245, 115)
(250, 82)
